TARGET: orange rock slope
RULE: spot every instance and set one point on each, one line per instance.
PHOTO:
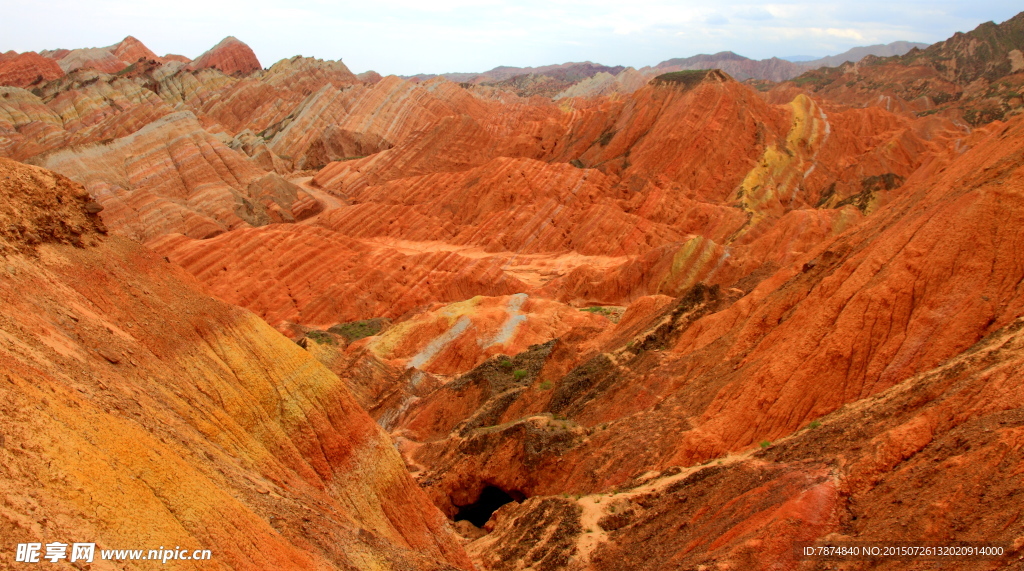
(141, 413)
(722, 428)
(641, 204)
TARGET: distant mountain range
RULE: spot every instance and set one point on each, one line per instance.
(859, 53)
(973, 75)
(556, 80)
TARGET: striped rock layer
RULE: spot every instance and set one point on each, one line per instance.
(139, 413)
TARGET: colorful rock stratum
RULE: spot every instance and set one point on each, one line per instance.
(589, 320)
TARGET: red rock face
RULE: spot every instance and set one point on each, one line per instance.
(22, 70)
(230, 56)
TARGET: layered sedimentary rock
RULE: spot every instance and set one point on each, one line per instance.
(671, 311)
(659, 211)
(110, 59)
(22, 70)
(230, 56)
(174, 177)
(141, 413)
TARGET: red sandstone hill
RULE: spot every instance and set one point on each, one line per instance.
(230, 56)
(22, 70)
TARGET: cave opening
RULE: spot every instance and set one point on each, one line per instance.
(491, 498)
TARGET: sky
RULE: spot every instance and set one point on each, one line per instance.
(406, 37)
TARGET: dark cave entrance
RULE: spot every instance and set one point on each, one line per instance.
(491, 498)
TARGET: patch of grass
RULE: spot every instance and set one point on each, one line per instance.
(814, 424)
(505, 363)
(320, 337)
(545, 386)
(520, 374)
(687, 77)
(764, 444)
(610, 312)
(354, 330)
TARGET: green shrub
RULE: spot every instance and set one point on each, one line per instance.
(764, 444)
(814, 424)
(320, 337)
(520, 374)
(545, 386)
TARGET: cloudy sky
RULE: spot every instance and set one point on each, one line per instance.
(434, 36)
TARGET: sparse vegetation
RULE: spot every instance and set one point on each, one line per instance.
(687, 78)
(520, 374)
(613, 313)
(505, 363)
(320, 337)
(354, 330)
(814, 424)
(545, 386)
(764, 444)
